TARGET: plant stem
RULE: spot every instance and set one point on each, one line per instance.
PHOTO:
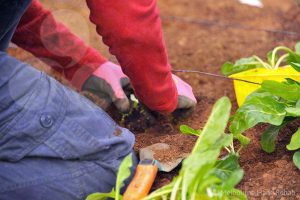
(228, 150)
(175, 189)
(280, 60)
(193, 196)
(274, 52)
(266, 65)
(232, 147)
(158, 194)
(238, 151)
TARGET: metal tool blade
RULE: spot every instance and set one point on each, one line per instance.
(148, 153)
(213, 75)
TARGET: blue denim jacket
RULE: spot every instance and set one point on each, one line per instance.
(40, 117)
(54, 143)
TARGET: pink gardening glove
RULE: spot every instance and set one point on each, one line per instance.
(108, 83)
(186, 98)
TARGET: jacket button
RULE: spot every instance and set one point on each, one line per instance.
(46, 120)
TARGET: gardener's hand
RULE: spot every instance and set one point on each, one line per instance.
(108, 83)
(186, 98)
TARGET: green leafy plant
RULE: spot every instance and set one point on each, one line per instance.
(296, 159)
(274, 103)
(240, 65)
(134, 106)
(189, 131)
(274, 59)
(203, 174)
(123, 174)
(268, 138)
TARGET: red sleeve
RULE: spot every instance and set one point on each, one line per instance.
(132, 30)
(39, 33)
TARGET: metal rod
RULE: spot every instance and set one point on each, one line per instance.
(228, 25)
(213, 75)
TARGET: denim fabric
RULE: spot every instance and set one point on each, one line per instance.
(54, 179)
(54, 143)
(11, 12)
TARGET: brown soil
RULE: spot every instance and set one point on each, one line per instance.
(162, 153)
(202, 46)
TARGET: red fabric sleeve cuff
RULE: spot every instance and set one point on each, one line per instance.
(166, 104)
(169, 107)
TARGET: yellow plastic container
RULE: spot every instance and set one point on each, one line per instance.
(243, 89)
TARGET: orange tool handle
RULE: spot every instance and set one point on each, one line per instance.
(141, 183)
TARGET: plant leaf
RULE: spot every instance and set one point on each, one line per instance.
(292, 81)
(251, 61)
(295, 141)
(296, 66)
(189, 131)
(215, 126)
(228, 69)
(292, 111)
(296, 159)
(164, 191)
(195, 168)
(123, 174)
(297, 47)
(259, 107)
(198, 174)
(205, 147)
(101, 196)
(269, 136)
(224, 141)
(226, 166)
(298, 104)
(293, 59)
(229, 171)
(242, 139)
(234, 178)
(208, 181)
(240, 65)
(283, 90)
(236, 194)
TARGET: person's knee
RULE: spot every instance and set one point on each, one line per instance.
(32, 179)
(103, 180)
(2, 54)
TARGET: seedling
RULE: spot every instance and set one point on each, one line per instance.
(275, 103)
(204, 175)
(139, 118)
(189, 131)
(274, 60)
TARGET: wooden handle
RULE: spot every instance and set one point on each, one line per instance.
(141, 183)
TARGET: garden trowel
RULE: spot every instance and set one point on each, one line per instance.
(147, 169)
